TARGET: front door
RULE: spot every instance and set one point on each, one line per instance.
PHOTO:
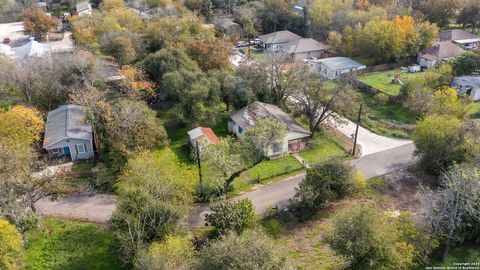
(66, 150)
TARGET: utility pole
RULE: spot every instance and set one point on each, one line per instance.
(356, 130)
(199, 167)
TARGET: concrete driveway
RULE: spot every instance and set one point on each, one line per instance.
(370, 142)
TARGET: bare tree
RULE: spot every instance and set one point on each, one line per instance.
(454, 212)
(279, 77)
(318, 100)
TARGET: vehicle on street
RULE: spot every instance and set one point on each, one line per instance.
(6, 40)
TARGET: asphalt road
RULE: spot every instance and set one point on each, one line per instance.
(278, 194)
(99, 207)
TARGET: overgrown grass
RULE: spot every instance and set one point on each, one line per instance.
(384, 118)
(382, 80)
(61, 244)
(461, 254)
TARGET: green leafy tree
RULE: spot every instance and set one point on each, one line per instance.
(11, 246)
(440, 11)
(366, 238)
(155, 193)
(442, 140)
(168, 60)
(251, 251)
(466, 64)
(232, 216)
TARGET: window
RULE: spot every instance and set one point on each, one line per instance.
(55, 151)
(81, 148)
(240, 129)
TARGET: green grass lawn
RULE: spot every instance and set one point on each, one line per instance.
(60, 244)
(383, 80)
(82, 166)
(462, 254)
(323, 148)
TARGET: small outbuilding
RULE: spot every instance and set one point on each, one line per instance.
(467, 85)
(68, 134)
(203, 135)
(438, 53)
(295, 140)
(333, 67)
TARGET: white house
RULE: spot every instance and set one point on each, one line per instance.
(304, 48)
(295, 139)
(33, 49)
(68, 134)
(467, 85)
(84, 8)
(272, 41)
(331, 68)
(439, 52)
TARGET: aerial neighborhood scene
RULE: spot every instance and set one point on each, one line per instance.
(239, 134)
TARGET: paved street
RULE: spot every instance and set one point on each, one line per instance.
(99, 208)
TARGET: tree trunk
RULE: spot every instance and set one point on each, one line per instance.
(237, 174)
(446, 249)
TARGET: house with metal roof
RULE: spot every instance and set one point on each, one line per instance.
(83, 8)
(438, 53)
(203, 136)
(467, 85)
(333, 67)
(68, 134)
(304, 48)
(460, 37)
(295, 139)
(273, 41)
(33, 49)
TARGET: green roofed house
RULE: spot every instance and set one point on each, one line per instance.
(295, 139)
(68, 134)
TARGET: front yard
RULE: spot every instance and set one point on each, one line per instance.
(60, 244)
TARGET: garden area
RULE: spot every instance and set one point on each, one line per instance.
(383, 80)
(60, 244)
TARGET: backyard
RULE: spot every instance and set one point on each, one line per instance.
(383, 80)
(60, 244)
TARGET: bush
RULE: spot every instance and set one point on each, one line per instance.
(360, 182)
(251, 251)
(173, 253)
(328, 181)
(11, 246)
(232, 216)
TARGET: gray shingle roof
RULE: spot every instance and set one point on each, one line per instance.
(82, 6)
(66, 122)
(246, 116)
(339, 63)
(304, 45)
(441, 50)
(279, 37)
(456, 34)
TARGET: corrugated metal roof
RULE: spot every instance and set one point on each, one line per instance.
(66, 122)
(82, 6)
(339, 63)
(246, 117)
(33, 48)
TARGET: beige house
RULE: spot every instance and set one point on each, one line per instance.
(273, 41)
(295, 140)
(439, 52)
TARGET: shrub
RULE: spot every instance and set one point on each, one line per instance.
(173, 253)
(360, 182)
(11, 250)
(232, 216)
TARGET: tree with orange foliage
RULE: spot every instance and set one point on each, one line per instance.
(210, 53)
(36, 22)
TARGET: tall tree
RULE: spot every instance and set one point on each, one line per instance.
(320, 101)
(440, 11)
(279, 77)
(454, 212)
(36, 22)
